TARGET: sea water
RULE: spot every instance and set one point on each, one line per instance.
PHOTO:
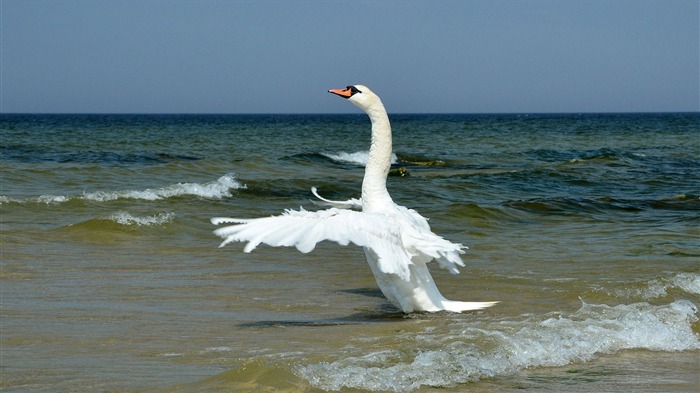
(584, 226)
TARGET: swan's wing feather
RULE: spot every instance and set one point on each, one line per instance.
(352, 203)
(429, 246)
(288, 229)
(304, 229)
(227, 220)
(413, 217)
(426, 245)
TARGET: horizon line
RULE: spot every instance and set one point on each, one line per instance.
(345, 113)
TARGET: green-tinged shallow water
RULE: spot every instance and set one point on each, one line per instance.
(585, 227)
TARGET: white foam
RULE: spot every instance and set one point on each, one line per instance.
(656, 288)
(52, 199)
(217, 349)
(220, 188)
(213, 190)
(170, 354)
(689, 282)
(6, 199)
(126, 218)
(357, 158)
(472, 351)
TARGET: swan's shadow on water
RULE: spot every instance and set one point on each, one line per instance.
(386, 312)
(369, 292)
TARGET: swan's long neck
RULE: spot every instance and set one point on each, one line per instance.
(374, 192)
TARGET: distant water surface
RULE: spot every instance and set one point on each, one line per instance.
(585, 227)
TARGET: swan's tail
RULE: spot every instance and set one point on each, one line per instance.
(349, 204)
(454, 306)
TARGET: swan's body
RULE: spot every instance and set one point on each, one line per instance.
(397, 241)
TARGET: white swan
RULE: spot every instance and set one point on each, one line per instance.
(397, 241)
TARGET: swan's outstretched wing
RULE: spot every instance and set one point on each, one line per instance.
(304, 229)
(353, 203)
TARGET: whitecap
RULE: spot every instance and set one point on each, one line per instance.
(357, 158)
(656, 288)
(52, 199)
(473, 351)
(170, 354)
(6, 199)
(688, 282)
(125, 218)
(217, 349)
(220, 188)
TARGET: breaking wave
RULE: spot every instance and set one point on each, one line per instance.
(357, 158)
(471, 351)
(656, 288)
(220, 188)
(125, 218)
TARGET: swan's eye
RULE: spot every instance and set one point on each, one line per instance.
(353, 89)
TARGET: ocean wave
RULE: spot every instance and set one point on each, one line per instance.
(617, 156)
(220, 188)
(105, 227)
(125, 218)
(471, 352)
(483, 216)
(358, 158)
(30, 154)
(566, 205)
(656, 288)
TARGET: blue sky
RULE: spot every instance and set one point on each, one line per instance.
(282, 56)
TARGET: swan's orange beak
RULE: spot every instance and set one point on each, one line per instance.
(345, 93)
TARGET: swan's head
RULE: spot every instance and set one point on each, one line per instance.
(360, 95)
